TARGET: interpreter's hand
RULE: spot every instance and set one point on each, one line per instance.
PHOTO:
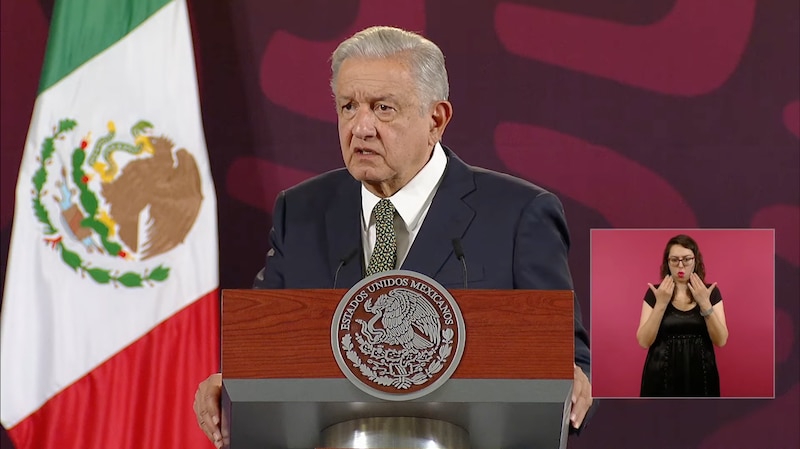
(664, 291)
(207, 407)
(701, 293)
(581, 397)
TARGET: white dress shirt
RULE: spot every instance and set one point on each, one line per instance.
(412, 203)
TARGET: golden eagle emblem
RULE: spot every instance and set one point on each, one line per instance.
(150, 195)
(155, 200)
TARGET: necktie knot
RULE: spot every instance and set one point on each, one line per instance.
(384, 211)
(384, 255)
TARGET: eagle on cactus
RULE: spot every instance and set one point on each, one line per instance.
(154, 200)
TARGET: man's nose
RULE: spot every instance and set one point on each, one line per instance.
(364, 124)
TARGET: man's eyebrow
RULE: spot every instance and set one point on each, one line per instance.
(372, 99)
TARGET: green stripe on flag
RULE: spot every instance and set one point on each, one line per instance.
(80, 29)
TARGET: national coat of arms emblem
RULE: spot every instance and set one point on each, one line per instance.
(398, 335)
(94, 204)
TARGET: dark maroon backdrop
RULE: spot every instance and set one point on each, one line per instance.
(682, 113)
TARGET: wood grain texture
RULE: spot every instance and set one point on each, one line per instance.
(510, 334)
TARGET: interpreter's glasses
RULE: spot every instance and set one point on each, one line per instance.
(687, 261)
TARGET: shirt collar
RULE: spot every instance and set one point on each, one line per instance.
(413, 198)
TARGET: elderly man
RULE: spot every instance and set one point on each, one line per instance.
(390, 88)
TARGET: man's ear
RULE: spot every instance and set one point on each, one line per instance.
(440, 117)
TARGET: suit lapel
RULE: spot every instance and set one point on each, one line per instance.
(343, 226)
(448, 218)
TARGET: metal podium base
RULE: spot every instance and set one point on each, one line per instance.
(497, 413)
(395, 432)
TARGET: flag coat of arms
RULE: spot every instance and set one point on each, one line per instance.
(110, 307)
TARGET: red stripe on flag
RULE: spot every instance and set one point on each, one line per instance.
(141, 397)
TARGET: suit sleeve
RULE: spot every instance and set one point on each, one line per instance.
(540, 260)
(271, 276)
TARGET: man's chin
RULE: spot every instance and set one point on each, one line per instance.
(381, 188)
(365, 174)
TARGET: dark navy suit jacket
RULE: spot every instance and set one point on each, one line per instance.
(513, 235)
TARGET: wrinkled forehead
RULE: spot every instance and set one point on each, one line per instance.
(358, 71)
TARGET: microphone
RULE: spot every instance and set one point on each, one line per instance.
(459, 251)
(342, 262)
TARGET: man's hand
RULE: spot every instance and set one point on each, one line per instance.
(581, 397)
(207, 407)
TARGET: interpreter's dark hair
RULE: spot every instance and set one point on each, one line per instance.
(688, 243)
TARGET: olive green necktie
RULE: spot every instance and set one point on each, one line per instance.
(384, 256)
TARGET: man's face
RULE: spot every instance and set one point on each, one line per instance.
(386, 134)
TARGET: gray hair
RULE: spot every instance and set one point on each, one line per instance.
(424, 57)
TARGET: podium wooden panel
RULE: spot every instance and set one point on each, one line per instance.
(282, 386)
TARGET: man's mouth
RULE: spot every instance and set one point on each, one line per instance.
(365, 151)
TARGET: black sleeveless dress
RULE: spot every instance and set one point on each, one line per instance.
(681, 361)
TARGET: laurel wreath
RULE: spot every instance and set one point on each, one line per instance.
(89, 203)
(400, 382)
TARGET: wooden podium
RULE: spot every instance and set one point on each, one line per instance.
(282, 385)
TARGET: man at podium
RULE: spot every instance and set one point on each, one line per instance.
(406, 201)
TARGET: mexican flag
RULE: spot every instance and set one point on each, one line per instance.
(110, 309)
